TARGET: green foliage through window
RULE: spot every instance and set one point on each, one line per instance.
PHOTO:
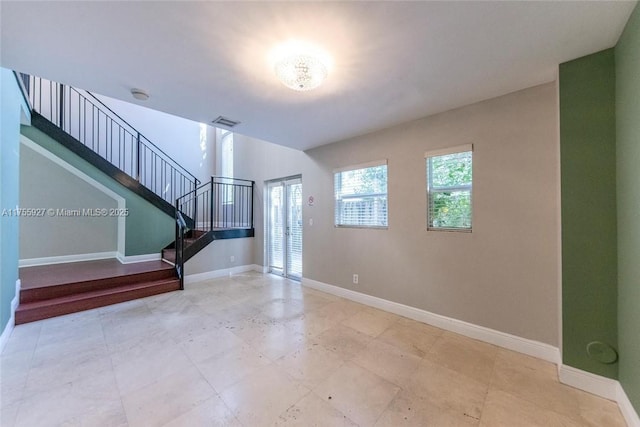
(449, 185)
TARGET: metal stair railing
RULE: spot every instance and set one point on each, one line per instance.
(86, 118)
(220, 204)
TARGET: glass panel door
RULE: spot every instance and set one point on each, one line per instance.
(284, 223)
(275, 236)
(294, 229)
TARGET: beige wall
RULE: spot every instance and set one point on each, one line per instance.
(217, 256)
(44, 184)
(502, 276)
(262, 161)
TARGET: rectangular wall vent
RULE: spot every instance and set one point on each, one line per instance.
(224, 121)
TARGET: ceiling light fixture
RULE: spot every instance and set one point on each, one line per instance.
(140, 94)
(299, 65)
(301, 72)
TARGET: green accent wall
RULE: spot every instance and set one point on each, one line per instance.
(628, 193)
(148, 229)
(588, 183)
(13, 108)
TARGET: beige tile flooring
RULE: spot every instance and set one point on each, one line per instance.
(258, 350)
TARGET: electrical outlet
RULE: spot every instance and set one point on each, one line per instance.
(355, 279)
(232, 258)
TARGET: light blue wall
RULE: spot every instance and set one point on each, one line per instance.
(13, 109)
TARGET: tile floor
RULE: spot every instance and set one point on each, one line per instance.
(258, 350)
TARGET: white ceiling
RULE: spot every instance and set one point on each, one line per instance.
(393, 61)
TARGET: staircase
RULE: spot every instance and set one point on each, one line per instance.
(221, 208)
(54, 290)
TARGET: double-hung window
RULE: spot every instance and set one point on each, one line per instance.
(226, 166)
(449, 188)
(361, 195)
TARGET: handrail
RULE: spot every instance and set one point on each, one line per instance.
(181, 228)
(23, 89)
(219, 205)
(206, 184)
(86, 118)
(234, 179)
(141, 135)
(213, 206)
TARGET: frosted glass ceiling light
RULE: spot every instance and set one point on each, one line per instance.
(301, 72)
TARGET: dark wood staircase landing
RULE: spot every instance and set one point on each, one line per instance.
(54, 290)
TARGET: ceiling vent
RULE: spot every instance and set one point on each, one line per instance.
(223, 121)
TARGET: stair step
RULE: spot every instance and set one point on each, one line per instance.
(38, 310)
(169, 255)
(66, 289)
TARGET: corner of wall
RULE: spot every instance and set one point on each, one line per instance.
(8, 329)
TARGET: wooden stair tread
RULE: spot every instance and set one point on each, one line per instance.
(96, 293)
(37, 310)
(79, 287)
(54, 274)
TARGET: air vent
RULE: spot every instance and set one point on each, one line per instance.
(223, 121)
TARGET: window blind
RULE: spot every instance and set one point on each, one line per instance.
(361, 196)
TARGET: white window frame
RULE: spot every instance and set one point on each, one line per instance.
(444, 152)
(226, 163)
(336, 175)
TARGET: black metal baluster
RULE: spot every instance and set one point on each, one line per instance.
(252, 191)
(211, 203)
(138, 157)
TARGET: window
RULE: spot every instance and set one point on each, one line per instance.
(361, 195)
(226, 163)
(449, 188)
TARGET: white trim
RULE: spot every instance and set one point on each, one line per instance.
(131, 259)
(559, 212)
(592, 383)
(586, 381)
(30, 262)
(215, 274)
(448, 150)
(600, 386)
(78, 173)
(8, 329)
(361, 166)
(522, 345)
(260, 268)
(628, 411)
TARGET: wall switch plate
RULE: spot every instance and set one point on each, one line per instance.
(232, 258)
(355, 279)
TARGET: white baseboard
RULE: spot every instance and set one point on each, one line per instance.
(592, 383)
(522, 345)
(30, 262)
(600, 386)
(138, 258)
(8, 329)
(261, 268)
(628, 411)
(215, 274)
(595, 384)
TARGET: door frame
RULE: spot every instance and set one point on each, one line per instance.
(267, 235)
